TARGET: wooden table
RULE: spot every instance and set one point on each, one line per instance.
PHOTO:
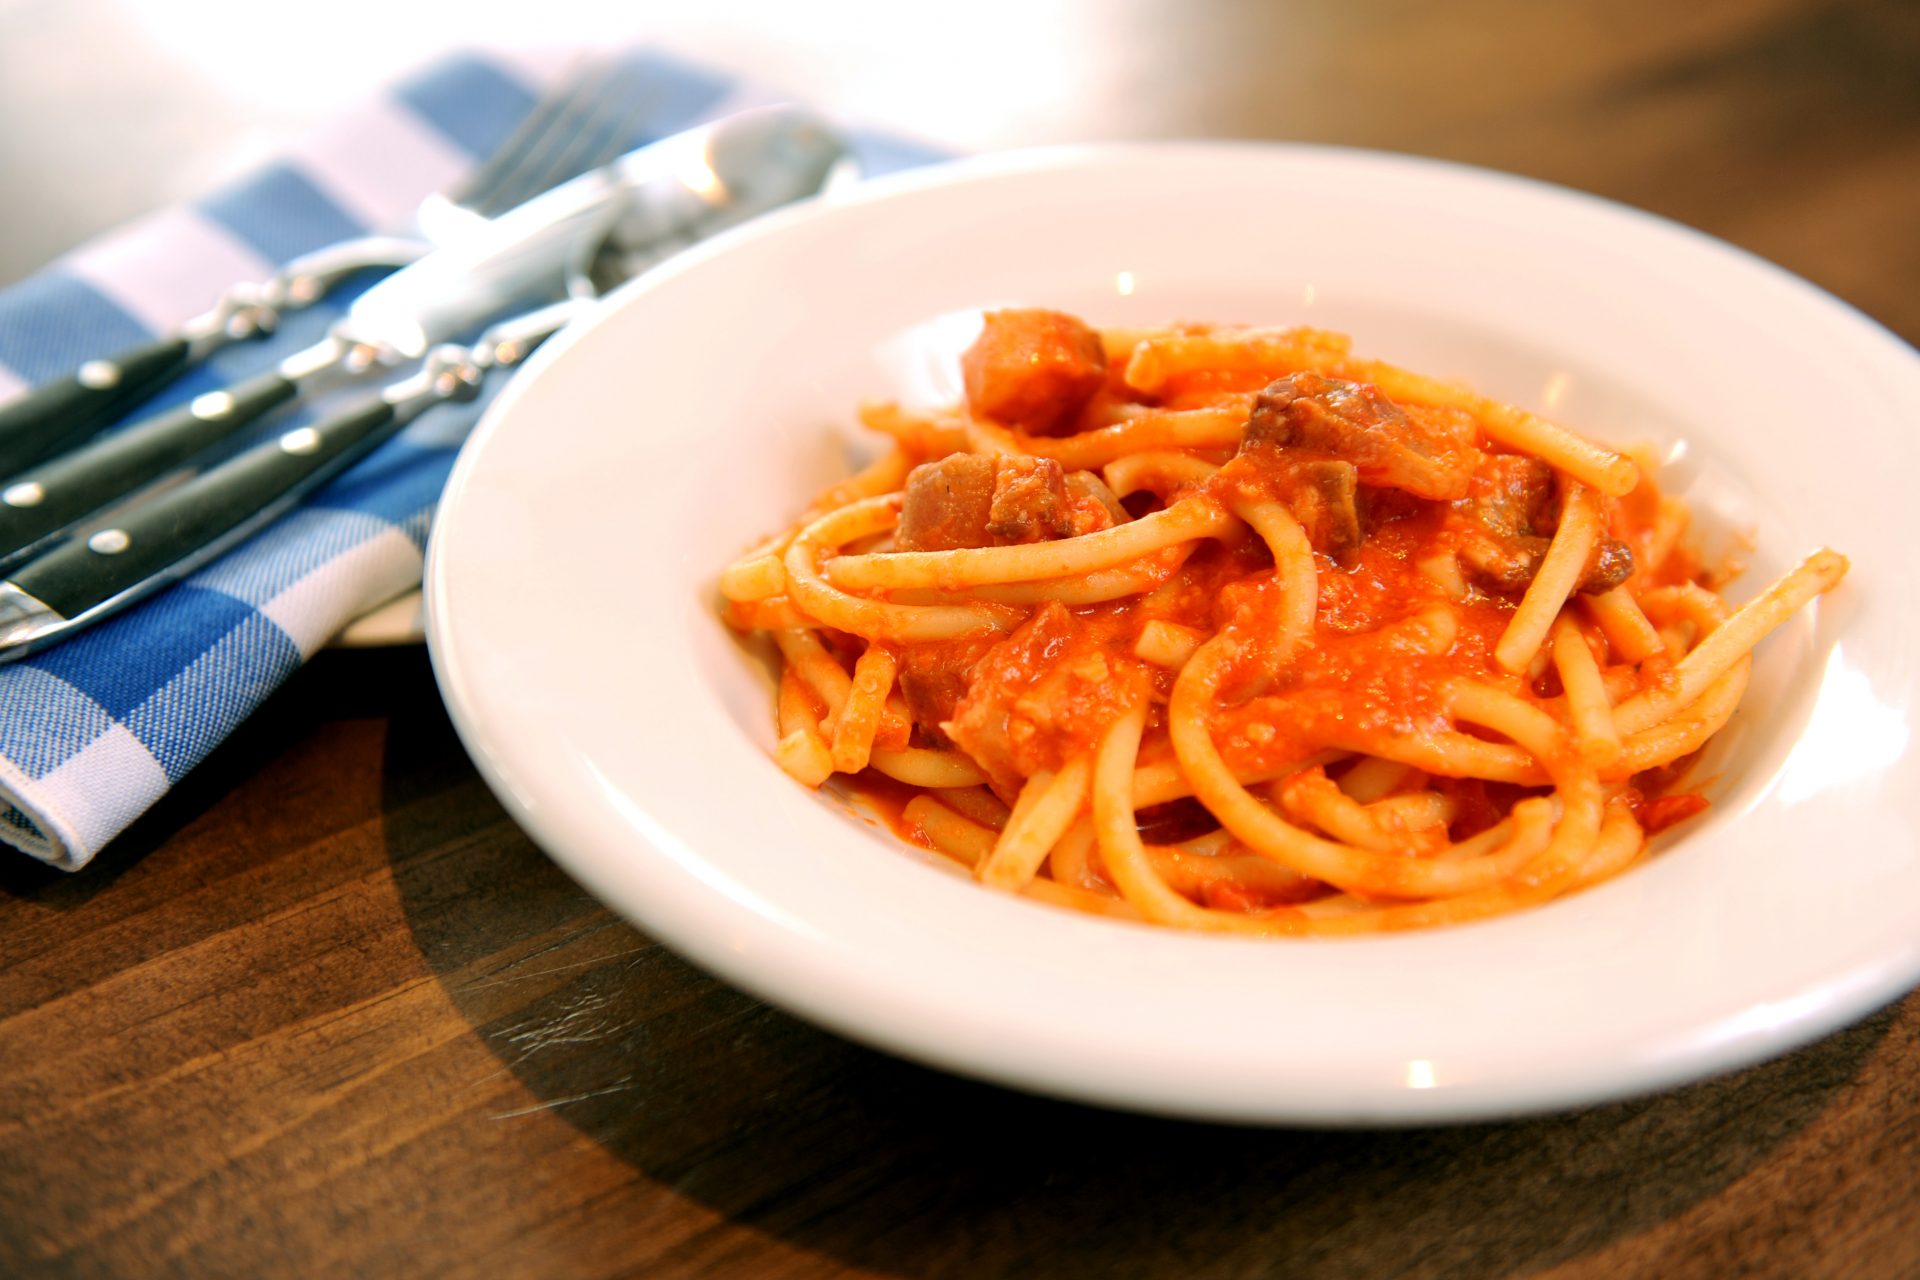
(326, 1011)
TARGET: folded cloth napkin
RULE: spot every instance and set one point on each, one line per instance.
(94, 731)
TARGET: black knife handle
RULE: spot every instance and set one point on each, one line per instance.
(158, 541)
(61, 413)
(37, 504)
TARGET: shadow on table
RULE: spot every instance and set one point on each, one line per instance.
(315, 695)
(832, 1148)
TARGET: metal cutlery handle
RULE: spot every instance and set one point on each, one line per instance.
(58, 414)
(678, 190)
(160, 540)
(37, 505)
(163, 539)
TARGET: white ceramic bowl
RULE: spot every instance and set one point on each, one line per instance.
(573, 624)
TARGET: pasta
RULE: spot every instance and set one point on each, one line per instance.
(1230, 629)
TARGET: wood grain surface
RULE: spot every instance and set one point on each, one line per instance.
(326, 1011)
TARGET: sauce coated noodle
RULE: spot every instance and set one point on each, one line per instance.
(1231, 629)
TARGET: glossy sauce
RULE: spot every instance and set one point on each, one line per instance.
(1029, 702)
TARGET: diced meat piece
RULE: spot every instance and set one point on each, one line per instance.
(1427, 455)
(1046, 694)
(1029, 501)
(1508, 504)
(1509, 564)
(983, 724)
(1512, 495)
(971, 500)
(948, 504)
(1325, 500)
(1510, 510)
(934, 677)
(1322, 493)
(1087, 490)
(1034, 370)
(1506, 564)
(1032, 505)
(1610, 565)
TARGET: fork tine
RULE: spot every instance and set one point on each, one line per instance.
(604, 129)
(505, 178)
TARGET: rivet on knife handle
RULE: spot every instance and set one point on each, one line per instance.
(36, 505)
(162, 539)
(159, 540)
(61, 413)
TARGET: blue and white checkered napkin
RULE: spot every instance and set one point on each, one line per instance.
(94, 731)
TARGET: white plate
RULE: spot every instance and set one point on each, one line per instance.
(572, 617)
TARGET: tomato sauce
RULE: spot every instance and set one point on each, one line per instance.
(1030, 701)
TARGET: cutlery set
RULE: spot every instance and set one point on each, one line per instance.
(582, 124)
(86, 528)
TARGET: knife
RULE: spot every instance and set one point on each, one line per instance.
(83, 581)
(715, 177)
(61, 413)
(689, 185)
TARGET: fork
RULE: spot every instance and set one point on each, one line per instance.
(580, 124)
(661, 199)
